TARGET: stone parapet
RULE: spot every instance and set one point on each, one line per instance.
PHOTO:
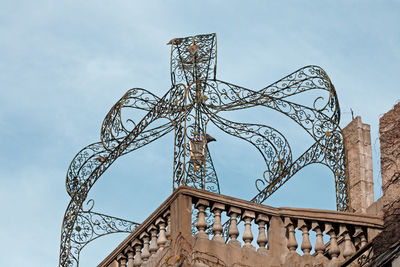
(252, 235)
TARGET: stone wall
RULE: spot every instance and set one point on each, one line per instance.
(389, 129)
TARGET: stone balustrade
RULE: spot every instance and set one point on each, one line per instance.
(150, 238)
(257, 235)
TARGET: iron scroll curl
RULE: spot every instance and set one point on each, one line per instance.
(195, 99)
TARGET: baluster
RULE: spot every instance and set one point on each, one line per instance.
(248, 216)
(201, 224)
(334, 249)
(359, 234)
(129, 251)
(348, 250)
(262, 240)
(233, 231)
(167, 215)
(162, 238)
(121, 260)
(138, 247)
(291, 242)
(357, 238)
(146, 247)
(153, 243)
(363, 240)
(217, 208)
(305, 244)
(319, 244)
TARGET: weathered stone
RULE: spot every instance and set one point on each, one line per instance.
(389, 129)
(357, 141)
(186, 250)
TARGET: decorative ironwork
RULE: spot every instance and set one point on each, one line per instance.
(363, 257)
(195, 99)
(91, 225)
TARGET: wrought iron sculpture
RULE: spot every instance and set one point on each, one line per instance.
(195, 99)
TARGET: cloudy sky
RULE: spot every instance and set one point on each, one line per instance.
(63, 64)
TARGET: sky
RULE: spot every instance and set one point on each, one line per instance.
(63, 64)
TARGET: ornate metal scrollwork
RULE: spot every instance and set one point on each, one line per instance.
(196, 99)
(91, 225)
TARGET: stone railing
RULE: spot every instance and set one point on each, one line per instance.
(264, 236)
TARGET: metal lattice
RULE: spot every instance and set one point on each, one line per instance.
(195, 100)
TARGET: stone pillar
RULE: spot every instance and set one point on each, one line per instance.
(389, 130)
(357, 142)
(181, 217)
(277, 241)
(181, 231)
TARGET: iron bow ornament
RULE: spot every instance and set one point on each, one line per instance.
(195, 100)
